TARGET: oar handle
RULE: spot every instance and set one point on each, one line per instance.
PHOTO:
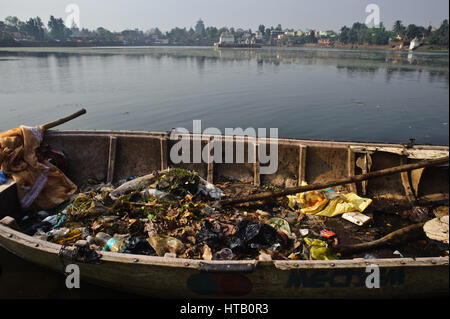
(63, 120)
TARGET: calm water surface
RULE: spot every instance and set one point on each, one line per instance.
(316, 94)
(372, 96)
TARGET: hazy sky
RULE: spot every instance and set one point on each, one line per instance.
(118, 15)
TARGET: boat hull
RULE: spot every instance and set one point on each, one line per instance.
(112, 156)
(184, 278)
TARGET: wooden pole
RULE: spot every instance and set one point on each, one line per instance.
(402, 234)
(342, 181)
(63, 120)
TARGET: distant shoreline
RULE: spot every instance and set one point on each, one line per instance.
(422, 49)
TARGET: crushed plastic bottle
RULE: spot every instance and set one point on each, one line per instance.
(280, 224)
(3, 178)
(208, 189)
(154, 193)
(331, 194)
(115, 245)
(101, 239)
(51, 219)
(70, 238)
(165, 244)
(224, 254)
(59, 233)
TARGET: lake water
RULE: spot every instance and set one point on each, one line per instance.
(315, 94)
(345, 95)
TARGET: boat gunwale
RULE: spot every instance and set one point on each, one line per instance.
(52, 248)
(206, 137)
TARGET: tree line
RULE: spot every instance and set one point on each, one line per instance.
(359, 33)
(55, 32)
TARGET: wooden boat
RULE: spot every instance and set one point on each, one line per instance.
(111, 156)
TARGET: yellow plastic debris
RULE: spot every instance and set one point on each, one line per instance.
(319, 250)
(317, 203)
(310, 202)
(346, 203)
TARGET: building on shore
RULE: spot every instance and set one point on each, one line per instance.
(415, 43)
(200, 26)
(226, 37)
(258, 35)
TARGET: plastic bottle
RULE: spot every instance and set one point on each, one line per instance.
(331, 194)
(101, 239)
(115, 245)
(154, 193)
(3, 178)
(70, 237)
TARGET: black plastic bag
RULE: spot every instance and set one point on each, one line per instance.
(211, 234)
(139, 246)
(43, 227)
(250, 236)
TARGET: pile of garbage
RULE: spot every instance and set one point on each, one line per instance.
(176, 211)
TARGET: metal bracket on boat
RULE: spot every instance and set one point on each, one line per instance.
(81, 253)
(227, 268)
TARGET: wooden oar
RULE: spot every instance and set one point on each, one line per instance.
(63, 120)
(342, 181)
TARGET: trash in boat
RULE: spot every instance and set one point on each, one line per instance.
(438, 229)
(209, 189)
(319, 250)
(304, 232)
(42, 214)
(41, 227)
(175, 212)
(154, 193)
(250, 236)
(440, 211)
(419, 214)
(115, 245)
(139, 246)
(101, 239)
(165, 244)
(224, 254)
(399, 254)
(280, 225)
(356, 218)
(328, 202)
(207, 253)
(310, 202)
(3, 178)
(326, 233)
(211, 234)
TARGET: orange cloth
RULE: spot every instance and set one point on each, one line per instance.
(42, 185)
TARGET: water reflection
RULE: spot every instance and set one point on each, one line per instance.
(355, 62)
(376, 96)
